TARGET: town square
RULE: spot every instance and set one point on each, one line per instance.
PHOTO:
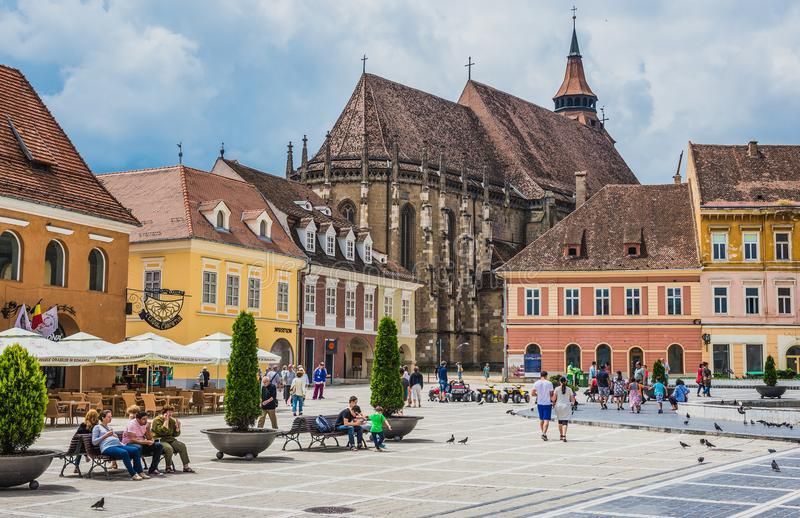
(300, 258)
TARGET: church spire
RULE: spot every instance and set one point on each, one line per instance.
(289, 161)
(575, 98)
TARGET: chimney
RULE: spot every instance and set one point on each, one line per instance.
(752, 149)
(580, 188)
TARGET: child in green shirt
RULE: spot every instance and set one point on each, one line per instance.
(378, 420)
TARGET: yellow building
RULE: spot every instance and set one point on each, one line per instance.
(747, 213)
(209, 247)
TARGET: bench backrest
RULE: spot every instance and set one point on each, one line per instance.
(311, 422)
(76, 443)
(88, 447)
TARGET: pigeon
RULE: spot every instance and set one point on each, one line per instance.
(771, 450)
(702, 441)
(775, 466)
(510, 411)
(451, 440)
(708, 443)
(99, 504)
(687, 415)
(740, 410)
(463, 441)
(683, 444)
(718, 427)
(700, 459)
(686, 422)
(752, 422)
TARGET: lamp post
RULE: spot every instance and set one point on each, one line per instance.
(706, 340)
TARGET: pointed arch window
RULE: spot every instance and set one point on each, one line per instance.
(10, 255)
(55, 264)
(407, 236)
(348, 209)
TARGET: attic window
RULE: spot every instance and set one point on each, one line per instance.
(350, 247)
(262, 229)
(573, 251)
(330, 245)
(323, 209)
(632, 250)
(32, 154)
(367, 253)
(305, 204)
(221, 219)
(311, 236)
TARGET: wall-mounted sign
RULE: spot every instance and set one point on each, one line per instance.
(283, 329)
(159, 308)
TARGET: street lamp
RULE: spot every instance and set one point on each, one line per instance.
(706, 340)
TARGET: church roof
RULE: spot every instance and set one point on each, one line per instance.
(575, 82)
(735, 176)
(38, 162)
(607, 222)
(532, 147)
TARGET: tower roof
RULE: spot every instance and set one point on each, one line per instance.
(574, 78)
(574, 50)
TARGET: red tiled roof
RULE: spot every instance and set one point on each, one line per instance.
(58, 176)
(574, 79)
(727, 176)
(169, 200)
(659, 216)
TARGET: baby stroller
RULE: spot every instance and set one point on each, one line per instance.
(592, 392)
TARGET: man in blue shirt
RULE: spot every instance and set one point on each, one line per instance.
(441, 374)
(319, 378)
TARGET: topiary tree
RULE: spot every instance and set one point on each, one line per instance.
(385, 382)
(770, 374)
(23, 394)
(659, 374)
(242, 393)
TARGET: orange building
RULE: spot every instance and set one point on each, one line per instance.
(63, 237)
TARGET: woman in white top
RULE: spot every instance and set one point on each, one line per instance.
(298, 391)
(564, 399)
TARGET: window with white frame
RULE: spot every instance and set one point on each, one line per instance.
(209, 287)
(719, 245)
(283, 296)
(752, 300)
(254, 292)
(405, 312)
(310, 298)
(750, 243)
(783, 246)
(311, 237)
(330, 300)
(602, 301)
(367, 253)
(152, 282)
(674, 301)
(369, 304)
(330, 245)
(720, 300)
(784, 300)
(388, 305)
(532, 302)
(572, 301)
(232, 291)
(633, 301)
(350, 249)
(350, 303)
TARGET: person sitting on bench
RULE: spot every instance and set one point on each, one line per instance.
(348, 421)
(108, 442)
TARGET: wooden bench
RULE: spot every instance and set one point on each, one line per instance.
(96, 458)
(307, 424)
(72, 456)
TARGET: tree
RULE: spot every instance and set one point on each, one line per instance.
(770, 374)
(23, 393)
(242, 392)
(385, 383)
(659, 374)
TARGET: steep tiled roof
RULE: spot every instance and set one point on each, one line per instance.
(728, 176)
(55, 175)
(662, 215)
(533, 147)
(574, 79)
(168, 201)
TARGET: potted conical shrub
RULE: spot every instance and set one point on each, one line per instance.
(242, 397)
(770, 388)
(23, 397)
(386, 385)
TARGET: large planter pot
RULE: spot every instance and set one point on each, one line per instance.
(240, 444)
(401, 426)
(24, 468)
(771, 392)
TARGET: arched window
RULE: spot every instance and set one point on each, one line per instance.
(603, 355)
(9, 256)
(407, 236)
(220, 219)
(569, 101)
(97, 270)
(635, 355)
(793, 358)
(573, 356)
(675, 359)
(55, 264)
(262, 229)
(348, 209)
(533, 349)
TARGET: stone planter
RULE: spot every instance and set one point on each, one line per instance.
(24, 468)
(401, 426)
(240, 444)
(771, 392)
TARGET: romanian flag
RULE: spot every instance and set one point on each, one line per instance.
(37, 319)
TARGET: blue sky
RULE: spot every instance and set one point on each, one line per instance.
(128, 80)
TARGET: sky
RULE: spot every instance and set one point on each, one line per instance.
(129, 80)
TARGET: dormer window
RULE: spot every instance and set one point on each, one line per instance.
(311, 236)
(632, 250)
(350, 248)
(305, 205)
(217, 214)
(262, 229)
(259, 223)
(324, 209)
(330, 245)
(367, 253)
(572, 251)
(220, 220)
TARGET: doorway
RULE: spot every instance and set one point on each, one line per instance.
(309, 352)
(793, 358)
(635, 355)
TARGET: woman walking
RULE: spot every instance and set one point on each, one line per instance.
(564, 399)
(619, 390)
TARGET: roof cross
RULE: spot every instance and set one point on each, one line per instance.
(364, 64)
(180, 152)
(574, 10)
(469, 66)
(603, 117)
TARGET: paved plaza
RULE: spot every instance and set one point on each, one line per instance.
(504, 469)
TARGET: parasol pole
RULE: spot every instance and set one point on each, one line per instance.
(147, 381)
(80, 378)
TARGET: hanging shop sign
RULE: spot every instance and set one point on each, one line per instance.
(159, 308)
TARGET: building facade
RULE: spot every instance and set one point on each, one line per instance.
(348, 285)
(747, 209)
(451, 190)
(615, 282)
(202, 257)
(63, 237)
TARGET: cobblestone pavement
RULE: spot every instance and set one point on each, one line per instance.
(504, 469)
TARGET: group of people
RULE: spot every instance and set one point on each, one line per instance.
(618, 389)
(140, 437)
(412, 386)
(293, 383)
(703, 380)
(355, 423)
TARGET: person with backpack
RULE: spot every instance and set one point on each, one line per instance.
(269, 402)
(706, 380)
(347, 421)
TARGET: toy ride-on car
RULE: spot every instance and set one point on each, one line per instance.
(516, 393)
(460, 391)
(489, 394)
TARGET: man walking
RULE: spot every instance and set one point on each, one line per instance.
(269, 402)
(603, 386)
(274, 376)
(320, 377)
(287, 383)
(543, 392)
(441, 376)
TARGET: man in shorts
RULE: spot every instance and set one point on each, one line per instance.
(603, 386)
(543, 392)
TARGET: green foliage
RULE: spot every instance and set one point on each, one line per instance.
(770, 374)
(385, 383)
(787, 374)
(23, 397)
(242, 392)
(659, 373)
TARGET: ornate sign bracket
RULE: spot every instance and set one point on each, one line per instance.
(159, 308)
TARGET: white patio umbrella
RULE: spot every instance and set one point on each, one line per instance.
(87, 345)
(48, 352)
(150, 349)
(218, 346)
